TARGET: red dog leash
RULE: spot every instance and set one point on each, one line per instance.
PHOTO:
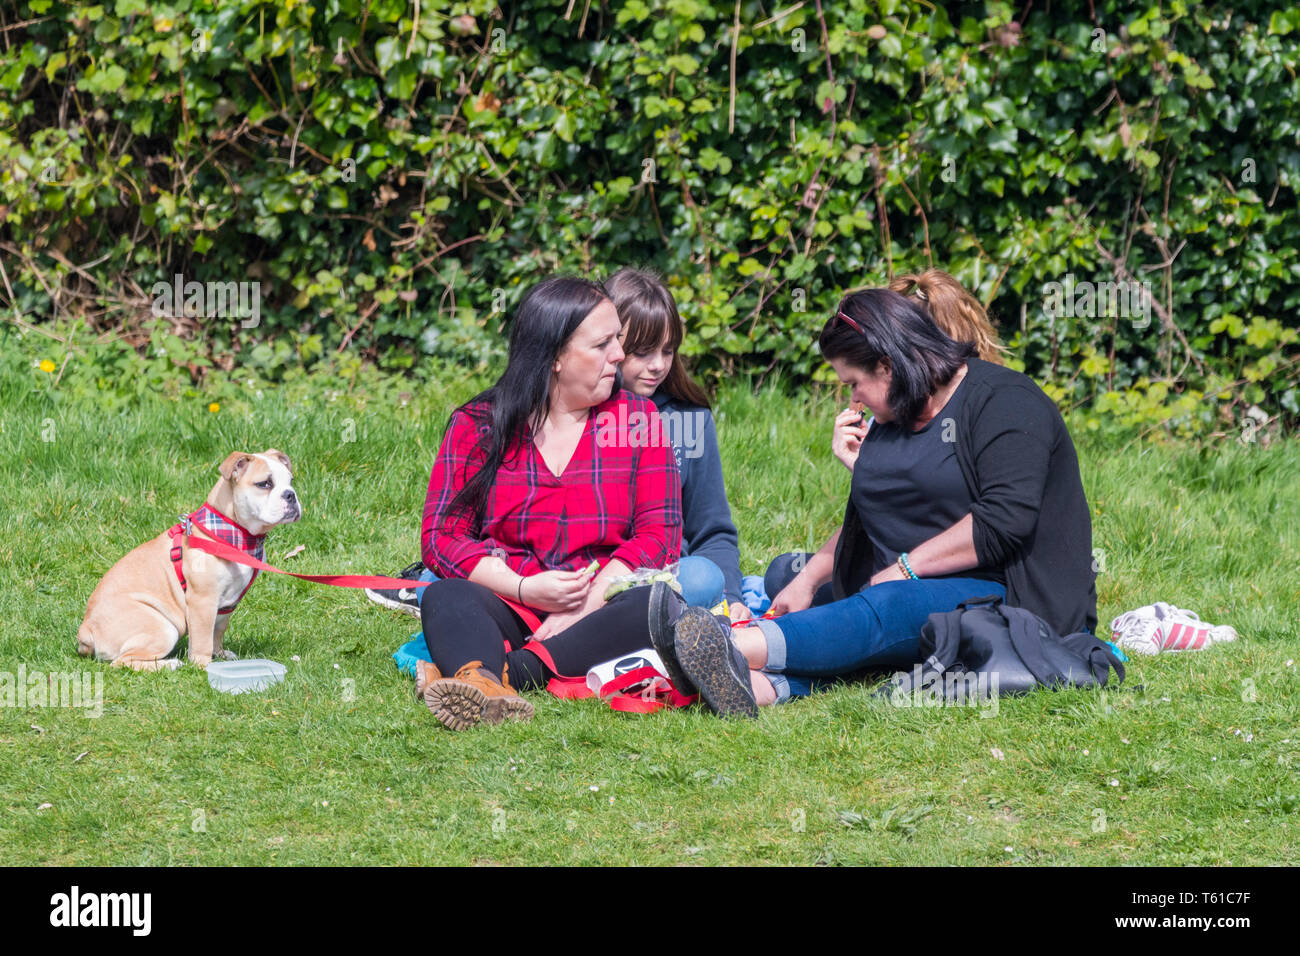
(219, 549)
(562, 687)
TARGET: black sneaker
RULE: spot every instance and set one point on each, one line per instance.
(406, 600)
(665, 608)
(712, 663)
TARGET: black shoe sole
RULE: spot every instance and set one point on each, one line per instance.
(661, 637)
(704, 653)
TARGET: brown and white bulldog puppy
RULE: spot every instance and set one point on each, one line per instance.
(139, 610)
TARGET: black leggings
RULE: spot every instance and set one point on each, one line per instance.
(464, 622)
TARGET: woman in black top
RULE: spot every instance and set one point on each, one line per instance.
(971, 487)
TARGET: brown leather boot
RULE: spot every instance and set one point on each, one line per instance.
(425, 673)
(510, 706)
(475, 695)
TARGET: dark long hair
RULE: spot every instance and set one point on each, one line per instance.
(922, 359)
(649, 313)
(544, 322)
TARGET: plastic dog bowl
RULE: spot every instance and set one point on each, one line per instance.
(239, 677)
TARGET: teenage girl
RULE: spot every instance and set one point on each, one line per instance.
(652, 368)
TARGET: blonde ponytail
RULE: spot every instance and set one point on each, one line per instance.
(953, 309)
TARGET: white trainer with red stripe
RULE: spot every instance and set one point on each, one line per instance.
(1164, 627)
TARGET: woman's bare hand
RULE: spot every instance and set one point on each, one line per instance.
(846, 437)
(556, 623)
(795, 596)
(557, 591)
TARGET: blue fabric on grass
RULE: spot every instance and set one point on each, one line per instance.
(756, 597)
(413, 650)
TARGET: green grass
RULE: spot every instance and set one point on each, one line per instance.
(339, 764)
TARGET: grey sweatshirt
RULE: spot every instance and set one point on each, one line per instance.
(707, 529)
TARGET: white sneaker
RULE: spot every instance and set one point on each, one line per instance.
(1140, 630)
(1185, 631)
(1137, 635)
(1164, 627)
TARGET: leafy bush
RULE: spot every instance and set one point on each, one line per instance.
(392, 183)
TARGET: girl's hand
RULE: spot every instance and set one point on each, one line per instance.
(846, 437)
(557, 591)
(738, 611)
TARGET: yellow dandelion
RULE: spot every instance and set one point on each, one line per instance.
(47, 366)
(214, 407)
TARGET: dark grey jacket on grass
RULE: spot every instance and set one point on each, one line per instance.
(1030, 515)
(707, 528)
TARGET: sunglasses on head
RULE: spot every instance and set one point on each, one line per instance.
(850, 322)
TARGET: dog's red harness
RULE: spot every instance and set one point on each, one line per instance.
(217, 526)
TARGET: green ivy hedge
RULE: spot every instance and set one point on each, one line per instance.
(392, 173)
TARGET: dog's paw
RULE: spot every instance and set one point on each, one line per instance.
(170, 664)
(227, 655)
(201, 662)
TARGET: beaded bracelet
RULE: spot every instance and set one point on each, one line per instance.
(906, 567)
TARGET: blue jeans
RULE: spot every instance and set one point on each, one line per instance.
(701, 580)
(878, 627)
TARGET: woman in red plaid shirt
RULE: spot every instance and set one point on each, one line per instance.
(532, 509)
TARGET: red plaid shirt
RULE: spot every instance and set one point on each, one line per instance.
(619, 498)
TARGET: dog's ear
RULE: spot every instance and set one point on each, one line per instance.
(281, 456)
(234, 465)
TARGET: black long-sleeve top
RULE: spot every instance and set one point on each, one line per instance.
(1029, 513)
